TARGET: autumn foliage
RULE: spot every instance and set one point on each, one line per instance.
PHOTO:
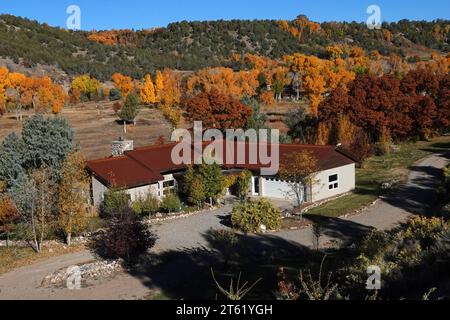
(217, 110)
(147, 91)
(414, 106)
(123, 83)
(41, 94)
(225, 81)
(84, 85)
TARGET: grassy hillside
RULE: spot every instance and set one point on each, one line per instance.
(194, 45)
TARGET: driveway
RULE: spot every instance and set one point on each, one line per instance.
(416, 197)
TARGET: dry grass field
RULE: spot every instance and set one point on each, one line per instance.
(95, 130)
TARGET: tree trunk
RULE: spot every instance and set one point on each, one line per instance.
(7, 239)
(124, 126)
(69, 239)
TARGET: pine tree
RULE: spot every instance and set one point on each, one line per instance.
(130, 109)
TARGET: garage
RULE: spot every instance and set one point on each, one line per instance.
(274, 188)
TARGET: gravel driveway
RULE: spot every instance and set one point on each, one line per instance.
(415, 197)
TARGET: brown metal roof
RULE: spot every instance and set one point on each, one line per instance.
(121, 172)
(144, 166)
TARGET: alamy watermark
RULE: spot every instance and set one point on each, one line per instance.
(73, 22)
(249, 147)
(73, 281)
(374, 279)
(374, 20)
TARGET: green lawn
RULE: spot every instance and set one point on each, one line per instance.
(377, 170)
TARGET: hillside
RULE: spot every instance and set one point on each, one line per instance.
(194, 45)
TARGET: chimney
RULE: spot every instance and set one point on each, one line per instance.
(120, 146)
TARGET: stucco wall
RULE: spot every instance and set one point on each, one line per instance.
(346, 182)
(141, 192)
(273, 188)
(98, 191)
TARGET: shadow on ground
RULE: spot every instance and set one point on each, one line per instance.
(186, 273)
(418, 196)
(339, 229)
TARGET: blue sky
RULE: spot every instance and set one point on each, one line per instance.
(139, 14)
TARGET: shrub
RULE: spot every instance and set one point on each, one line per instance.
(250, 215)
(242, 185)
(171, 203)
(173, 115)
(114, 95)
(223, 238)
(115, 201)
(125, 237)
(425, 230)
(147, 205)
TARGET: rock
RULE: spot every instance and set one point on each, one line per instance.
(386, 186)
(263, 228)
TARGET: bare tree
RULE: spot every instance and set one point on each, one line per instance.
(35, 201)
(299, 171)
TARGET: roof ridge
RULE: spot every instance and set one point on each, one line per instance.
(107, 159)
(159, 146)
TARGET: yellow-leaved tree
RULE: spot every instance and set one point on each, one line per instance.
(159, 85)
(72, 196)
(86, 85)
(147, 91)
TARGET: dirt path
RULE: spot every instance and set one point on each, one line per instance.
(415, 197)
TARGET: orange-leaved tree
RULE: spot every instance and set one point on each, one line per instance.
(123, 83)
(3, 86)
(217, 110)
(224, 80)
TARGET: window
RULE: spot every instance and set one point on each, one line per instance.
(169, 184)
(333, 182)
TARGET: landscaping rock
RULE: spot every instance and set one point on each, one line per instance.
(89, 272)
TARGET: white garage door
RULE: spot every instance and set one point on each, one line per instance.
(273, 188)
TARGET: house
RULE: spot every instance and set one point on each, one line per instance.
(151, 169)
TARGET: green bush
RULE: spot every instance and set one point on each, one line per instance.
(250, 215)
(147, 205)
(115, 201)
(114, 94)
(425, 230)
(171, 203)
